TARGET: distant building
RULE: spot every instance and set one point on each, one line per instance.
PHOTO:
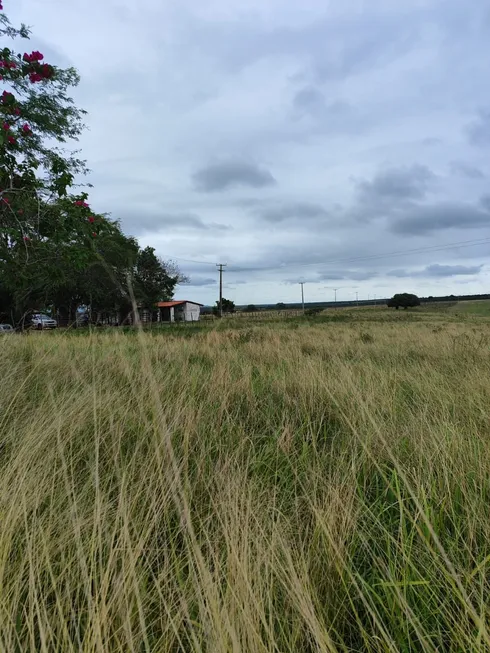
(178, 311)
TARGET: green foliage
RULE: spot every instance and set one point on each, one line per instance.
(251, 308)
(311, 312)
(228, 306)
(152, 282)
(405, 300)
(54, 249)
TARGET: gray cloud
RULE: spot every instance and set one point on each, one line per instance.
(425, 219)
(479, 130)
(350, 275)
(298, 211)
(403, 183)
(309, 100)
(138, 222)
(225, 175)
(335, 275)
(319, 98)
(335, 45)
(451, 270)
(202, 281)
(431, 141)
(485, 202)
(466, 170)
(437, 270)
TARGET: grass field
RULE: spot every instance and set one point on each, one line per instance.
(479, 307)
(306, 485)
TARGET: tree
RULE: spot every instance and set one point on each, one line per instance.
(405, 300)
(36, 112)
(44, 233)
(280, 306)
(251, 308)
(152, 282)
(228, 306)
(54, 249)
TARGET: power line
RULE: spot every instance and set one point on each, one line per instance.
(433, 248)
(373, 257)
(190, 260)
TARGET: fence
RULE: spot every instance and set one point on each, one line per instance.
(254, 315)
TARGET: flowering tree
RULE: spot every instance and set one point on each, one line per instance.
(48, 237)
(54, 249)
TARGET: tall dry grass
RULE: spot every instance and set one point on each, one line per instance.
(287, 488)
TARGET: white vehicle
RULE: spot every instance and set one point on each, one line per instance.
(41, 321)
(6, 329)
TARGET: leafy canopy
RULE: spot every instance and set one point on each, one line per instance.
(55, 250)
(404, 300)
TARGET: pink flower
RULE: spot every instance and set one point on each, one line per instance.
(1, 77)
(35, 77)
(26, 238)
(26, 129)
(17, 111)
(94, 234)
(6, 126)
(12, 64)
(2, 64)
(34, 56)
(48, 71)
(12, 140)
(81, 203)
(91, 219)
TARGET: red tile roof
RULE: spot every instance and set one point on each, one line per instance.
(176, 303)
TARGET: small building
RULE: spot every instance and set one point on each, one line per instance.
(178, 311)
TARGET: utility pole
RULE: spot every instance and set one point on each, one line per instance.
(302, 283)
(357, 299)
(220, 266)
(335, 291)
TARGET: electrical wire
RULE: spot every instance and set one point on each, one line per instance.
(433, 248)
(417, 250)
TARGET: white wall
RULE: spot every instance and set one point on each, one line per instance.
(191, 312)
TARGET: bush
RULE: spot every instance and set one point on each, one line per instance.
(313, 311)
(405, 300)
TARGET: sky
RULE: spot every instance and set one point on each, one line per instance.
(342, 144)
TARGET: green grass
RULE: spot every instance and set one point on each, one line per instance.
(316, 484)
(477, 307)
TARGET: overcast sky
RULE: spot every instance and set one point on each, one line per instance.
(294, 141)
